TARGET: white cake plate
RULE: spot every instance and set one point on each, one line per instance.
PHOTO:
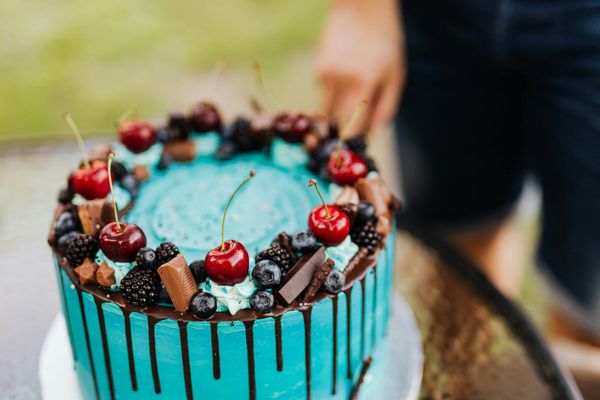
(58, 380)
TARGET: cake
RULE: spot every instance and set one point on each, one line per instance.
(294, 305)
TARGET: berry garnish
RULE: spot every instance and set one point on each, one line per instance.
(266, 274)
(164, 135)
(91, 180)
(329, 224)
(335, 281)
(165, 252)
(304, 241)
(146, 258)
(205, 118)
(65, 196)
(63, 242)
(141, 287)
(81, 247)
(165, 160)
(136, 136)
(366, 236)
(357, 144)
(67, 221)
(365, 212)
(203, 305)
(262, 302)
(163, 296)
(345, 167)
(226, 150)
(198, 271)
(179, 126)
(292, 127)
(278, 255)
(120, 242)
(118, 170)
(228, 263)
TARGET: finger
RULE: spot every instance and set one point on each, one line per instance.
(387, 101)
(328, 88)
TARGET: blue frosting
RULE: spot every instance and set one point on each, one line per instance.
(342, 253)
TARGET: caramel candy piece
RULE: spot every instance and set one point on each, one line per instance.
(181, 150)
(369, 189)
(141, 172)
(318, 280)
(348, 196)
(384, 226)
(311, 142)
(90, 215)
(179, 282)
(355, 261)
(99, 151)
(299, 276)
(87, 272)
(105, 276)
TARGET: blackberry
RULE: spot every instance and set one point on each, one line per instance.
(278, 255)
(166, 252)
(65, 196)
(357, 144)
(366, 236)
(118, 170)
(141, 287)
(81, 247)
(371, 165)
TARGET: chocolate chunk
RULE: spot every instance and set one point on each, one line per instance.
(284, 243)
(355, 261)
(384, 226)
(90, 215)
(310, 142)
(298, 278)
(141, 172)
(348, 196)
(181, 150)
(105, 276)
(179, 282)
(318, 279)
(87, 272)
(370, 189)
(108, 213)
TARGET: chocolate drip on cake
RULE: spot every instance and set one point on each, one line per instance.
(362, 317)
(102, 325)
(374, 329)
(216, 357)
(152, 347)
(87, 342)
(348, 293)
(249, 325)
(361, 378)
(67, 318)
(278, 344)
(334, 304)
(306, 315)
(185, 359)
(129, 340)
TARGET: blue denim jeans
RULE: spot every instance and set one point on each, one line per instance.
(497, 90)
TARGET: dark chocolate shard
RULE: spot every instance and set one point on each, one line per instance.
(299, 277)
(318, 279)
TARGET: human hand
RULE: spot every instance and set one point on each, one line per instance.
(361, 56)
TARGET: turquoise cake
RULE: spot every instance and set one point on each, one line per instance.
(158, 306)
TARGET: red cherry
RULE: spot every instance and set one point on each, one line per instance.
(92, 183)
(292, 127)
(120, 242)
(330, 231)
(345, 167)
(227, 264)
(205, 118)
(137, 136)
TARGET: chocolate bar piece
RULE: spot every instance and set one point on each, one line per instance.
(298, 278)
(105, 276)
(318, 280)
(87, 272)
(179, 282)
(181, 150)
(90, 215)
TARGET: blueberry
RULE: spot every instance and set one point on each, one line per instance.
(63, 242)
(118, 170)
(163, 295)
(335, 281)
(146, 258)
(203, 305)
(365, 212)
(130, 184)
(322, 153)
(304, 241)
(266, 274)
(164, 135)
(226, 151)
(164, 162)
(197, 268)
(65, 196)
(262, 302)
(67, 221)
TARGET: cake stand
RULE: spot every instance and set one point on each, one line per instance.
(400, 373)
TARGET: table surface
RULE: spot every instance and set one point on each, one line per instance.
(476, 343)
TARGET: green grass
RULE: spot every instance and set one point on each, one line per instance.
(100, 58)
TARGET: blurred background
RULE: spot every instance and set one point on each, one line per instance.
(99, 59)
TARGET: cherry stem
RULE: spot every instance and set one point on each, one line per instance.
(261, 85)
(353, 118)
(126, 115)
(314, 183)
(69, 120)
(216, 73)
(112, 192)
(250, 176)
